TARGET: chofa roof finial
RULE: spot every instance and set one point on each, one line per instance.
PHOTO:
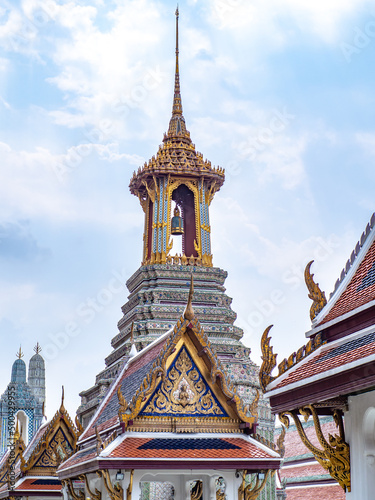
(189, 311)
(315, 294)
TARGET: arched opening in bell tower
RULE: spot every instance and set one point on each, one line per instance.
(184, 199)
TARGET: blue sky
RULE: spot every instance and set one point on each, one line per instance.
(279, 93)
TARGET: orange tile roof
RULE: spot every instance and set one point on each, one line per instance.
(191, 448)
(79, 457)
(327, 359)
(34, 484)
(316, 493)
(359, 291)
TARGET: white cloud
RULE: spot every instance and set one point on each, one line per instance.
(278, 19)
(367, 141)
(40, 184)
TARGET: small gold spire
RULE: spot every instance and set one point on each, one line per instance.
(177, 16)
(62, 399)
(17, 432)
(189, 311)
(19, 354)
(37, 348)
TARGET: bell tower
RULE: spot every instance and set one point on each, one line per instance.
(175, 189)
(177, 181)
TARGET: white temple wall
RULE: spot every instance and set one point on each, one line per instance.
(360, 434)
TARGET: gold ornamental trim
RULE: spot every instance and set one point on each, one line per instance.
(94, 495)
(115, 490)
(254, 488)
(268, 358)
(334, 455)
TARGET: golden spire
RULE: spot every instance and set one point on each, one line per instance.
(177, 104)
(177, 127)
(37, 348)
(189, 311)
(17, 432)
(19, 354)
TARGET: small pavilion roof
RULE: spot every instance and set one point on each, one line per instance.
(171, 400)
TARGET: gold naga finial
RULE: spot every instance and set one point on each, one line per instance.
(315, 294)
(268, 358)
(17, 432)
(189, 311)
(62, 399)
(99, 442)
(19, 353)
(37, 348)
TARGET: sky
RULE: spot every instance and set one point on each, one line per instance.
(279, 93)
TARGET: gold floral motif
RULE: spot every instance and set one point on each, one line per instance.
(253, 406)
(183, 392)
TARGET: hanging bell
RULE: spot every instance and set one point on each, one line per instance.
(177, 225)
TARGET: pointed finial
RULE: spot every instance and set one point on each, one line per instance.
(133, 349)
(189, 311)
(99, 442)
(315, 294)
(37, 348)
(177, 104)
(19, 354)
(17, 432)
(62, 399)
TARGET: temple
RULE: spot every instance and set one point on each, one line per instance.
(175, 189)
(333, 376)
(23, 401)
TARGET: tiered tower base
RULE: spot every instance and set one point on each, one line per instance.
(158, 295)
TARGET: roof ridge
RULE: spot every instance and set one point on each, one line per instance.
(354, 254)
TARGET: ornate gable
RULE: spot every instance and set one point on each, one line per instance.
(56, 444)
(186, 389)
(183, 392)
